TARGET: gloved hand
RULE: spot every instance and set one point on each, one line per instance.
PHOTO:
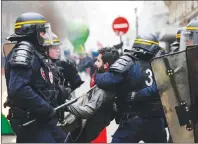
(135, 96)
(52, 113)
(46, 114)
(69, 119)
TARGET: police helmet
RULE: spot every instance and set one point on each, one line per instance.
(26, 22)
(56, 44)
(178, 35)
(147, 44)
(32, 24)
(175, 45)
(56, 40)
(190, 35)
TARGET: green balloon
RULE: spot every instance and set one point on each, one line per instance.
(79, 49)
(78, 33)
(5, 126)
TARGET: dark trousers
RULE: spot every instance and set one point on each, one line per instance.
(34, 133)
(134, 129)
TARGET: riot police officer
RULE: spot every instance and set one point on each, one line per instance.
(140, 112)
(67, 70)
(30, 82)
(176, 45)
(189, 36)
(66, 75)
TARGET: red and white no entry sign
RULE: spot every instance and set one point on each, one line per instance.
(120, 25)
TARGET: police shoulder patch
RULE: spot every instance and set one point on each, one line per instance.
(122, 64)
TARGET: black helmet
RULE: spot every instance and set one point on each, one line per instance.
(147, 44)
(26, 23)
(190, 35)
(175, 45)
(32, 24)
(192, 26)
(178, 35)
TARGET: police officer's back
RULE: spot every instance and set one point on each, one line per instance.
(138, 99)
(148, 99)
(30, 83)
(129, 71)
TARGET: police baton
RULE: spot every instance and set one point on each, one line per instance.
(61, 106)
(57, 108)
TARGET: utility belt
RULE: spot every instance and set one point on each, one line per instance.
(143, 112)
(146, 113)
(17, 113)
(127, 117)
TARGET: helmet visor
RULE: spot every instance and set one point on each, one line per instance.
(44, 34)
(188, 38)
(56, 41)
(56, 49)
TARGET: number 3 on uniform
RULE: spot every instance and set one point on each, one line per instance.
(150, 74)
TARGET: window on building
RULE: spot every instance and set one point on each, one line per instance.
(4, 20)
(184, 8)
(187, 6)
(190, 5)
(181, 9)
(178, 12)
(195, 4)
(172, 16)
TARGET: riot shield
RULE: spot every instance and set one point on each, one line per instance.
(192, 62)
(171, 76)
(7, 47)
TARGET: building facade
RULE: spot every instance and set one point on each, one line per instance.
(153, 18)
(182, 12)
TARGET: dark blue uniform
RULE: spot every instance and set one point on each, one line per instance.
(31, 94)
(140, 116)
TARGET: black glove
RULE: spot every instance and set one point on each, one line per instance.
(46, 114)
(51, 113)
(118, 46)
